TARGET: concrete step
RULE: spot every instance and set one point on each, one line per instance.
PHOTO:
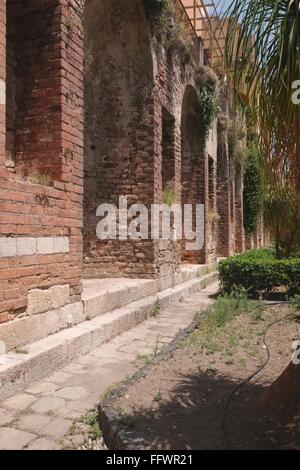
(48, 355)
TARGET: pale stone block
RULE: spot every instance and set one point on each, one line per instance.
(19, 402)
(72, 393)
(12, 439)
(45, 245)
(2, 92)
(32, 422)
(61, 244)
(47, 356)
(59, 296)
(48, 405)
(26, 246)
(6, 417)
(38, 301)
(71, 314)
(43, 444)
(57, 428)
(43, 388)
(8, 247)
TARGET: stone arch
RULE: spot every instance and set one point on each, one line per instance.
(192, 165)
(118, 128)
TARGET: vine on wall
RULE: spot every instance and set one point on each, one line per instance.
(170, 25)
(207, 102)
(253, 188)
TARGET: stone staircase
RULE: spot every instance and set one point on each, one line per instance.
(111, 307)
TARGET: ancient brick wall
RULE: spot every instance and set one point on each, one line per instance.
(135, 86)
(41, 192)
(92, 107)
(119, 121)
(224, 196)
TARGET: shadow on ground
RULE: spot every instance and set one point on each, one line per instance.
(186, 413)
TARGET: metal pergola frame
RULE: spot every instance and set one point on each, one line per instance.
(205, 20)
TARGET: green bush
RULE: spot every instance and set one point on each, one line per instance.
(259, 272)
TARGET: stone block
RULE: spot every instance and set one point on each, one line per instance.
(26, 246)
(8, 247)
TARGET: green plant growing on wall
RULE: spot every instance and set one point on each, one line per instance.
(156, 8)
(177, 38)
(237, 155)
(166, 22)
(253, 188)
(169, 194)
(213, 216)
(207, 102)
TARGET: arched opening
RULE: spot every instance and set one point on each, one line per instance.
(193, 170)
(33, 89)
(118, 131)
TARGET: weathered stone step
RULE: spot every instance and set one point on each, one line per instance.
(51, 354)
(103, 295)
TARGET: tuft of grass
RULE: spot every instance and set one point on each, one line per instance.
(124, 418)
(90, 418)
(157, 396)
(155, 309)
(211, 370)
(21, 351)
(257, 312)
(242, 362)
(110, 391)
(147, 359)
(95, 432)
(217, 322)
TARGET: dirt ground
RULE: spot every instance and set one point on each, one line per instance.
(180, 403)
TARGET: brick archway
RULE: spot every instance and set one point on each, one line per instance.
(118, 156)
(193, 179)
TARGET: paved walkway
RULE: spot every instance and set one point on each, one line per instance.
(57, 413)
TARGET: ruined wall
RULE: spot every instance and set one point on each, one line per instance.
(119, 123)
(33, 79)
(41, 192)
(224, 196)
(193, 167)
(105, 126)
(135, 82)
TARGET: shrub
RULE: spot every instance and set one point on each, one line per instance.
(259, 272)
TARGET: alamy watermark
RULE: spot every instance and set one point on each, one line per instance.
(296, 93)
(161, 222)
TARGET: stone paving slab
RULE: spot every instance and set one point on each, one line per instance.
(41, 418)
